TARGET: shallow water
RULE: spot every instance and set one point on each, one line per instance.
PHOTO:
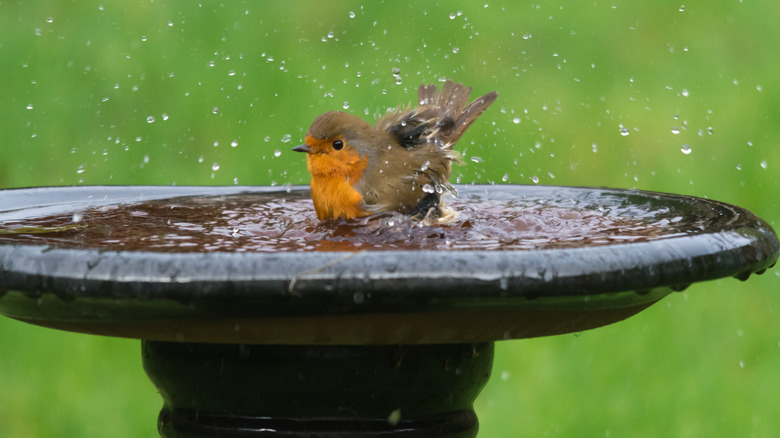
(273, 222)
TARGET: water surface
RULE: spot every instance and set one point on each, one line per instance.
(273, 222)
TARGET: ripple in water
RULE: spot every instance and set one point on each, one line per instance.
(279, 222)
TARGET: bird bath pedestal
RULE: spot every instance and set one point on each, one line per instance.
(323, 335)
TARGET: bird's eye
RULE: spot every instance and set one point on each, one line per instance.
(338, 145)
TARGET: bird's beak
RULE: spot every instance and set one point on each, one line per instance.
(302, 148)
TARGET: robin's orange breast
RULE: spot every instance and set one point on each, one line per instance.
(334, 198)
(333, 178)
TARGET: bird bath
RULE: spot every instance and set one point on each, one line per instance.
(256, 320)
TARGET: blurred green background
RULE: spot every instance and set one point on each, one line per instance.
(181, 92)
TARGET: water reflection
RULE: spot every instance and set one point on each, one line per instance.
(274, 222)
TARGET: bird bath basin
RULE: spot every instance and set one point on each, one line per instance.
(257, 320)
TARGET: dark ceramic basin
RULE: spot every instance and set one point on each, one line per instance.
(366, 297)
(258, 321)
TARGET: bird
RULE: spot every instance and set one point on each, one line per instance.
(402, 163)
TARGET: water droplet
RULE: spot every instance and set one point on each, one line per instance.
(394, 418)
(624, 132)
(164, 116)
(150, 119)
(682, 8)
(215, 167)
(452, 15)
(396, 71)
(685, 93)
(345, 105)
(215, 110)
(80, 169)
(286, 138)
(425, 166)
(505, 375)
(146, 159)
(686, 149)
(477, 159)
(595, 147)
(234, 143)
(763, 164)
(427, 188)
(331, 34)
(29, 106)
(505, 178)
(535, 179)
(351, 14)
(675, 130)
(516, 120)
(170, 24)
(277, 153)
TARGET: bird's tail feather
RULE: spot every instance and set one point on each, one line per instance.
(448, 112)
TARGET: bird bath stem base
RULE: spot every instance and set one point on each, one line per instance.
(324, 391)
(258, 322)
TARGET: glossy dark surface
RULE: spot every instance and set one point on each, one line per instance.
(318, 391)
(615, 252)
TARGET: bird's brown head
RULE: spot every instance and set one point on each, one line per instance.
(336, 146)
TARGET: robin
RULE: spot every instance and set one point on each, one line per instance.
(402, 164)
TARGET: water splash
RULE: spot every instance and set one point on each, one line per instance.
(285, 221)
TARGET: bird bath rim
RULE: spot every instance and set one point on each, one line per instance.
(372, 297)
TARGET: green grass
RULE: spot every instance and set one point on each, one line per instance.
(80, 80)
